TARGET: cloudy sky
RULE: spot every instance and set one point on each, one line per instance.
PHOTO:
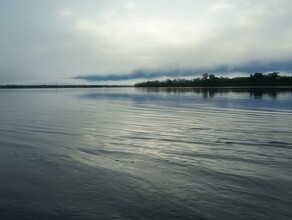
(114, 40)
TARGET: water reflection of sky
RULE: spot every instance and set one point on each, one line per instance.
(253, 99)
(111, 149)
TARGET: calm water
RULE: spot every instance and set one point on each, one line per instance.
(145, 154)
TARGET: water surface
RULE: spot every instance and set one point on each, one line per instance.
(126, 153)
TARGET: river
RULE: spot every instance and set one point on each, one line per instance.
(130, 153)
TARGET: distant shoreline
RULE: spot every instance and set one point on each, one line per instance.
(60, 86)
(211, 81)
(132, 86)
(257, 80)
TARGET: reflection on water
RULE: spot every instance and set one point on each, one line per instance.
(146, 154)
(255, 92)
(244, 98)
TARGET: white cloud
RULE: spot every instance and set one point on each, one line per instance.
(133, 31)
(220, 5)
(61, 39)
(65, 13)
(131, 5)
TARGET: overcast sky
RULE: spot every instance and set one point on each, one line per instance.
(127, 39)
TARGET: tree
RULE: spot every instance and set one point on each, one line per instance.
(205, 76)
(273, 75)
(211, 76)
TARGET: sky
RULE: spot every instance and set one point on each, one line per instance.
(124, 41)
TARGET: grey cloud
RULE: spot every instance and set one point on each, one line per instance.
(63, 38)
(251, 67)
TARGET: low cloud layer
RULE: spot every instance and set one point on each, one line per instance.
(57, 39)
(252, 67)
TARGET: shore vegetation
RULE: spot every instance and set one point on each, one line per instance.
(210, 80)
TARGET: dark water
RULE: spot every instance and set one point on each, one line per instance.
(145, 154)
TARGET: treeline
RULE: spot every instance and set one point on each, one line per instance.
(210, 80)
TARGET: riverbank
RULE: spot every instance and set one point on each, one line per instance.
(210, 80)
(60, 86)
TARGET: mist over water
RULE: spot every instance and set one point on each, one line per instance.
(126, 153)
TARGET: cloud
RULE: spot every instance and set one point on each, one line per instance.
(131, 5)
(137, 74)
(220, 5)
(251, 67)
(63, 38)
(65, 12)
